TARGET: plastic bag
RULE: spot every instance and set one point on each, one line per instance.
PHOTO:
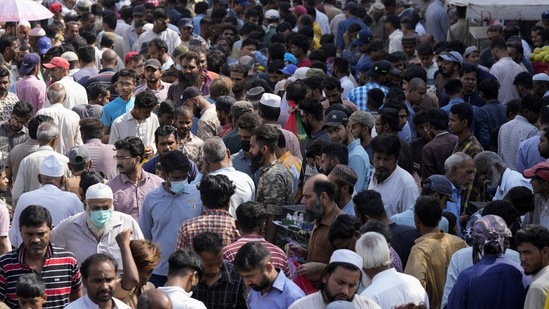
(301, 281)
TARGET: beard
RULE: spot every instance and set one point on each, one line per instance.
(257, 161)
(263, 285)
(338, 198)
(314, 214)
(98, 232)
(381, 174)
(331, 297)
(196, 111)
(307, 127)
(494, 180)
(187, 80)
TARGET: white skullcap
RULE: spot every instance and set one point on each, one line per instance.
(147, 27)
(24, 23)
(37, 32)
(271, 100)
(279, 86)
(99, 191)
(52, 167)
(541, 77)
(301, 73)
(346, 256)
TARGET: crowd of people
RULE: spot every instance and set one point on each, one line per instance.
(151, 148)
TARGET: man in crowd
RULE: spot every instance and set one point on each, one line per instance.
(533, 246)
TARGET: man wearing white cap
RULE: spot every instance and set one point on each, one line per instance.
(61, 204)
(340, 280)
(269, 110)
(541, 84)
(94, 230)
(23, 29)
(34, 35)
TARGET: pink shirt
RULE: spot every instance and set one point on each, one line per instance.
(128, 198)
(102, 157)
(32, 90)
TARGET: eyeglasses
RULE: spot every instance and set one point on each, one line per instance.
(121, 158)
(16, 121)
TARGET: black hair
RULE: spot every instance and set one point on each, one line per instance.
(374, 225)
(386, 144)
(30, 285)
(464, 111)
(369, 203)
(424, 49)
(524, 79)
(521, 198)
(467, 68)
(158, 44)
(184, 260)
(210, 242)
(313, 107)
(95, 259)
(165, 130)
(498, 43)
(266, 135)
(22, 109)
(110, 20)
(338, 151)
(277, 51)
(224, 103)
(313, 83)
(438, 119)
(88, 179)
(166, 107)
(343, 227)
(330, 83)
(420, 118)
(249, 121)
(91, 127)
(531, 102)
(132, 144)
(128, 73)
(503, 209)
(252, 255)
(250, 215)
(269, 112)
(315, 149)
(489, 88)
(389, 116)
(376, 97)
(300, 41)
(537, 235)
(35, 216)
(175, 160)
(453, 87)
(146, 99)
(428, 211)
(322, 185)
(216, 191)
(5, 42)
(35, 122)
(412, 72)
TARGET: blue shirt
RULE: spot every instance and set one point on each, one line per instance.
(528, 154)
(451, 103)
(360, 163)
(406, 133)
(407, 218)
(115, 109)
(359, 95)
(494, 282)
(281, 295)
(161, 217)
(455, 207)
(349, 209)
(243, 164)
(489, 117)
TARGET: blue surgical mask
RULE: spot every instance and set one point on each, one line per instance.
(179, 187)
(100, 218)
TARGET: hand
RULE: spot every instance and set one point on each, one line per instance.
(297, 250)
(346, 39)
(311, 270)
(148, 152)
(123, 238)
(417, 167)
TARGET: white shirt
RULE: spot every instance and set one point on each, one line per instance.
(75, 93)
(60, 204)
(397, 192)
(73, 234)
(323, 22)
(126, 125)
(505, 70)
(68, 123)
(316, 301)
(510, 135)
(181, 299)
(390, 288)
(395, 41)
(169, 36)
(347, 86)
(27, 175)
(87, 303)
(245, 187)
(509, 180)
(461, 260)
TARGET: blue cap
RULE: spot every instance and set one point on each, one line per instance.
(363, 37)
(29, 62)
(290, 58)
(545, 15)
(243, 2)
(288, 69)
(44, 44)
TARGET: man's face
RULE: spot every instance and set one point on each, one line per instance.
(513, 53)
(3, 182)
(142, 113)
(492, 35)
(16, 123)
(275, 77)
(424, 131)
(538, 41)
(543, 146)
(245, 139)
(126, 164)
(313, 205)
(326, 164)
(342, 284)
(338, 134)
(538, 184)
(72, 32)
(202, 61)
(456, 125)
(490, 175)
(23, 33)
(355, 129)
(238, 81)
(426, 60)
(155, 53)
(532, 259)
(89, 24)
(186, 33)
(416, 96)
(228, 34)
(36, 238)
(256, 152)
(446, 67)
(152, 75)
(166, 143)
(473, 58)
(125, 86)
(4, 85)
(31, 303)
(257, 279)
(101, 282)
(57, 73)
(247, 50)
(333, 95)
(409, 49)
(183, 123)
(213, 263)
(189, 67)
(384, 165)
(138, 66)
(402, 118)
(469, 82)
(296, 51)
(461, 177)
(161, 25)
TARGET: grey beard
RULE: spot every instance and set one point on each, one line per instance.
(98, 232)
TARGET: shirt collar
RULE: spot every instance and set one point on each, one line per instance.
(504, 177)
(22, 249)
(329, 218)
(280, 281)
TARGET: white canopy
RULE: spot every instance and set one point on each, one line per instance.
(503, 9)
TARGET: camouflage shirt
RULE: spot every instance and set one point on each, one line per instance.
(275, 187)
(192, 148)
(208, 124)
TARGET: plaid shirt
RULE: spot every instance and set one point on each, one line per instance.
(226, 293)
(359, 95)
(211, 220)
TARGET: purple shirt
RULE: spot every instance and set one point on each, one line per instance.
(161, 94)
(128, 198)
(102, 159)
(32, 90)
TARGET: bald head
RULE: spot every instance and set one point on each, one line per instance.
(319, 184)
(154, 298)
(417, 83)
(108, 58)
(56, 93)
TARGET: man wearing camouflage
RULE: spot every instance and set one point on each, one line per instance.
(274, 189)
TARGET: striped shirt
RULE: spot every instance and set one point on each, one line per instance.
(60, 273)
(278, 257)
(211, 220)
